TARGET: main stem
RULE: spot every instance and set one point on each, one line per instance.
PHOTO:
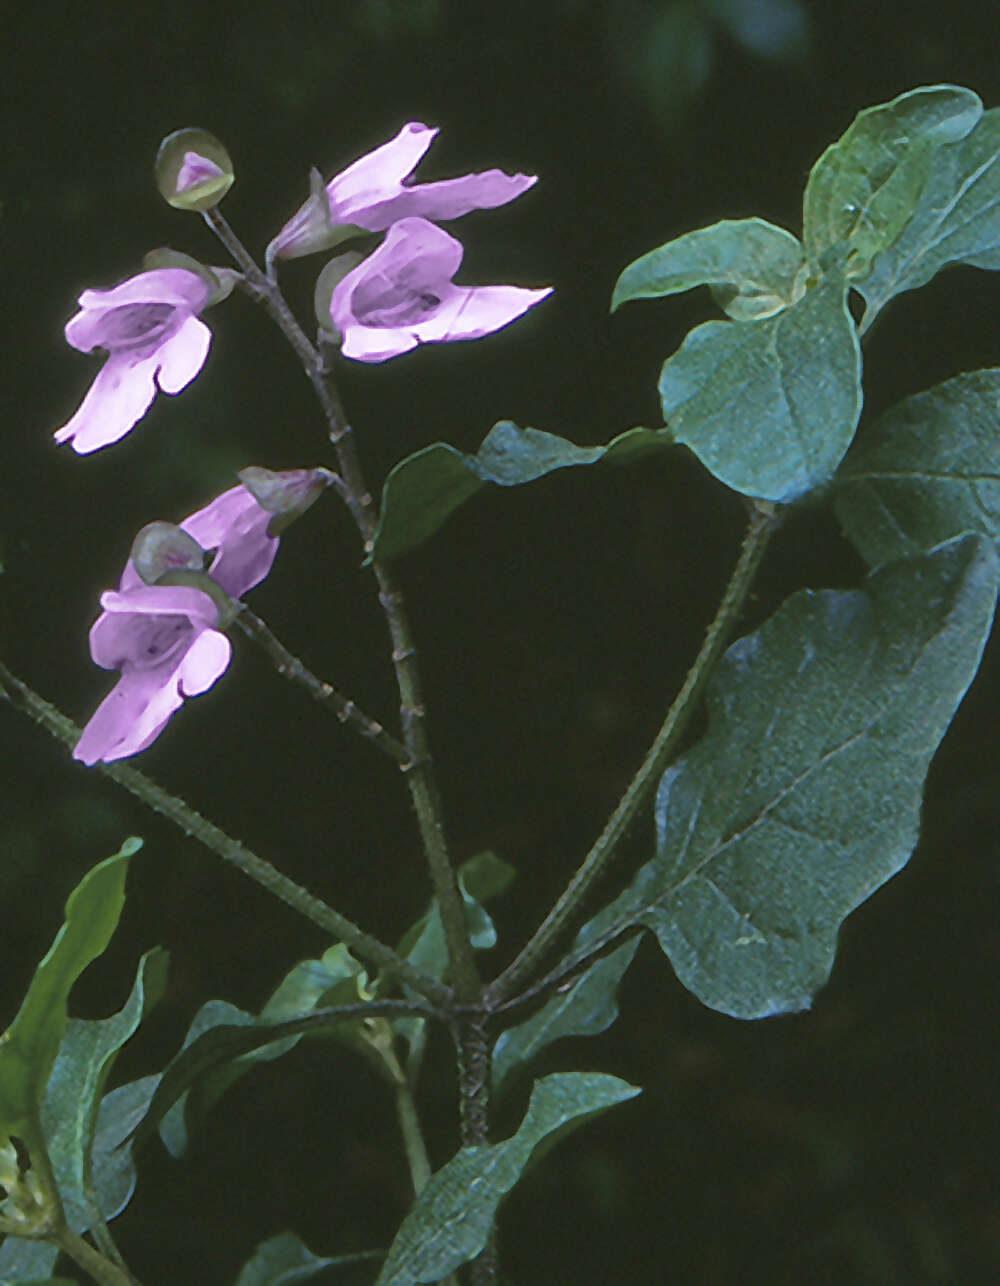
(419, 771)
(762, 523)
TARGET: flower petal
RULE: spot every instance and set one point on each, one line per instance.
(174, 286)
(235, 525)
(446, 199)
(183, 355)
(482, 310)
(118, 398)
(207, 659)
(130, 717)
(377, 175)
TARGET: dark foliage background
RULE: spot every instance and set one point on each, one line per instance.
(852, 1144)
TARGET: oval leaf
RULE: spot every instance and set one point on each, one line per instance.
(451, 1220)
(751, 262)
(769, 407)
(956, 220)
(864, 188)
(926, 470)
(804, 795)
(426, 488)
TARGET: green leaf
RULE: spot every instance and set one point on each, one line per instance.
(752, 266)
(480, 878)
(586, 1008)
(285, 1259)
(28, 1048)
(451, 1220)
(222, 1043)
(956, 220)
(803, 797)
(769, 408)
(864, 188)
(426, 488)
(926, 470)
(23, 1262)
(72, 1109)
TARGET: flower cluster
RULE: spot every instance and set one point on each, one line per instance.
(162, 628)
(164, 638)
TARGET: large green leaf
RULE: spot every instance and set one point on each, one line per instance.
(586, 1008)
(769, 407)
(803, 797)
(925, 471)
(451, 1220)
(864, 188)
(751, 265)
(956, 220)
(423, 490)
(28, 1047)
(285, 1259)
(72, 1108)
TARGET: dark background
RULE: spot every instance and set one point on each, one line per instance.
(852, 1144)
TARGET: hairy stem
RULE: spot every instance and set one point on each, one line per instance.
(290, 667)
(762, 523)
(231, 850)
(419, 771)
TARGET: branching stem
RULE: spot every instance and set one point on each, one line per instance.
(231, 850)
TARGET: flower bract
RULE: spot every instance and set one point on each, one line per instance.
(404, 294)
(154, 339)
(164, 638)
(376, 191)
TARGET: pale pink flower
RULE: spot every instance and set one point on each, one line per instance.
(164, 639)
(150, 329)
(376, 191)
(403, 295)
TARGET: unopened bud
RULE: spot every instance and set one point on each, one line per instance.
(193, 170)
(286, 495)
(164, 547)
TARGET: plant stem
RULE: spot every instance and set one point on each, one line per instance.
(92, 1261)
(413, 1139)
(762, 523)
(419, 771)
(231, 850)
(290, 667)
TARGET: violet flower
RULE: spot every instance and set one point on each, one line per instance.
(376, 191)
(163, 638)
(150, 329)
(403, 295)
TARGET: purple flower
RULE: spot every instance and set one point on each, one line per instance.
(153, 337)
(165, 638)
(375, 192)
(403, 295)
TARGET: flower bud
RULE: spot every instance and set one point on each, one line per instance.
(327, 281)
(163, 547)
(286, 495)
(193, 170)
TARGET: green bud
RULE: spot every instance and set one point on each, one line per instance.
(164, 547)
(193, 170)
(326, 283)
(286, 495)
